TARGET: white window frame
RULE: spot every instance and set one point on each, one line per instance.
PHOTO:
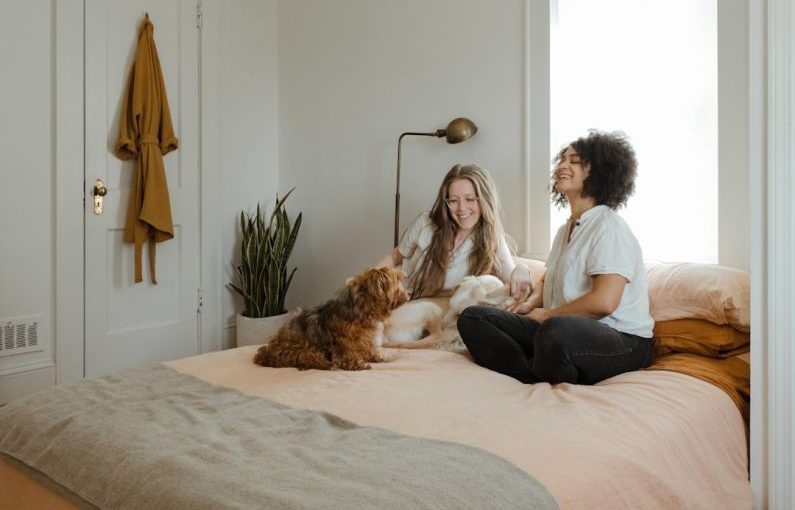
(733, 176)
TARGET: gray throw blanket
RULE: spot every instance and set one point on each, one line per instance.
(157, 439)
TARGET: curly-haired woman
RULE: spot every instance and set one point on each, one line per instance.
(589, 319)
(462, 235)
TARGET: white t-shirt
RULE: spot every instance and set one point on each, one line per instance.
(601, 243)
(418, 238)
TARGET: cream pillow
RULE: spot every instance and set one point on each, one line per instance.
(687, 290)
(537, 267)
(718, 294)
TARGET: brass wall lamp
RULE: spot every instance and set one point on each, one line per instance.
(458, 130)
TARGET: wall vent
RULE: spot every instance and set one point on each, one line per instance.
(20, 335)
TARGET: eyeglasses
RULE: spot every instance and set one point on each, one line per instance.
(456, 203)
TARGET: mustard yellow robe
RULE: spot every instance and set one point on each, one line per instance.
(146, 133)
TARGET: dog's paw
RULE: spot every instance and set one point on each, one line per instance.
(359, 366)
(389, 357)
(352, 364)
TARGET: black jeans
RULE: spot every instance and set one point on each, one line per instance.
(569, 348)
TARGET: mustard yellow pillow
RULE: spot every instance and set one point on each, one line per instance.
(698, 336)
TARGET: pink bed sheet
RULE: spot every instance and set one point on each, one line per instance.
(652, 440)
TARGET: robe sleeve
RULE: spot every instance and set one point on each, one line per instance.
(168, 140)
(128, 124)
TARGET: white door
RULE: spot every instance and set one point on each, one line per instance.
(129, 324)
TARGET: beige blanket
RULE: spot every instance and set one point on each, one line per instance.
(649, 439)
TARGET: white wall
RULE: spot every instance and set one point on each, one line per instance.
(353, 75)
(248, 144)
(27, 192)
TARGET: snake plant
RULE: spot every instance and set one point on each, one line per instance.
(266, 246)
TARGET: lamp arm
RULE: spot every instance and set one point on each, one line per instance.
(438, 133)
(458, 130)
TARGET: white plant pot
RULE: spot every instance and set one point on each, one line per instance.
(258, 331)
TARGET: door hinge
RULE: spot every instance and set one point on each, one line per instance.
(199, 301)
(199, 16)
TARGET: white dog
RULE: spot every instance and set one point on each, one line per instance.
(474, 290)
(420, 325)
(412, 321)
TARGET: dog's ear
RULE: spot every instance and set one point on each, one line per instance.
(377, 289)
(366, 283)
(385, 282)
(382, 280)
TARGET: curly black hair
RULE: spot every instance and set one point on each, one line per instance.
(613, 164)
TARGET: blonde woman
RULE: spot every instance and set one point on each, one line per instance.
(462, 235)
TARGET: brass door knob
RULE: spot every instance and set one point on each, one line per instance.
(99, 191)
(99, 188)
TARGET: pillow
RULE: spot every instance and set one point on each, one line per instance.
(714, 293)
(537, 267)
(687, 290)
(698, 336)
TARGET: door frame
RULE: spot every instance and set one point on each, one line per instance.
(69, 162)
(211, 255)
(772, 161)
(72, 188)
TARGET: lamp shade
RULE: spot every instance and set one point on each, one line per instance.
(460, 130)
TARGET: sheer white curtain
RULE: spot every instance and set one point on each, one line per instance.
(650, 69)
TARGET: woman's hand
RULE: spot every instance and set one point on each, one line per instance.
(535, 300)
(521, 282)
(521, 308)
(539, 315)
(393, 259)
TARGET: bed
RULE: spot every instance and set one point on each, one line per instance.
(426, 429)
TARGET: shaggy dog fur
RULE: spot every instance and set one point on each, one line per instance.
(341, 333)
(475, 290)
(417, 325)
(412, 321)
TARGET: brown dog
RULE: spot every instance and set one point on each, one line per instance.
(340, 333)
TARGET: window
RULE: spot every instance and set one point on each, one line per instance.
(649, 69)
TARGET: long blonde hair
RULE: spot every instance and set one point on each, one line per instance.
(428, 279)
